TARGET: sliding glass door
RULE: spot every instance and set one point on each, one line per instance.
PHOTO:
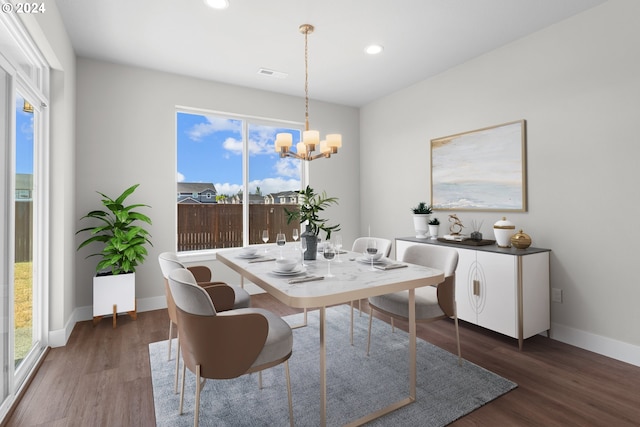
(23, 209)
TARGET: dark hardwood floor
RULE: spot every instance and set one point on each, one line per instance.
(102, 377)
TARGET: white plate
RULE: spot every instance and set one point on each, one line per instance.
(296, 270)
(249, 256)
(366, 260)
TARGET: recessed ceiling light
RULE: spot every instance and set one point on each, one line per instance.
(373, 49)
(217, 4)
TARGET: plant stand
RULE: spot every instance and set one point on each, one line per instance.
(133, 314)
(113, 294)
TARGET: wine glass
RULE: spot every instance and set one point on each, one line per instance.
(280, 241)
(303, 249)
(337, 242)
(371, 251)
(295, 234)
(329, 253)
(265, 238)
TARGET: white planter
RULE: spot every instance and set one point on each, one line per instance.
(420, 225)
(118, 290)
(433, 231)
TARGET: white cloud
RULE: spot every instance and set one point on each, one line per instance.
(233, 145)
(274, 185)
(227, 188)
(179, 177)
(288, 167)
(213, 125)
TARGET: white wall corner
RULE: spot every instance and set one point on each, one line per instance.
(618, 350)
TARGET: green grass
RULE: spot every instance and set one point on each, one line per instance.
(23, 309)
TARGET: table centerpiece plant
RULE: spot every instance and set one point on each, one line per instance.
(308, 212)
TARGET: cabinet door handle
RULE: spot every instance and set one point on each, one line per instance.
(476, 287)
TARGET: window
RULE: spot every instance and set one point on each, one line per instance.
(230, 164)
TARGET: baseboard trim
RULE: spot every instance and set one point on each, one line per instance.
(618, 350)
(59, 337)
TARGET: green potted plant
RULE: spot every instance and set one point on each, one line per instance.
(434, 225)
(421, 215)
(310, 207)
(123, 248)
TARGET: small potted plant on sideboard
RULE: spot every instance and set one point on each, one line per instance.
(421, 215)
(434, 225)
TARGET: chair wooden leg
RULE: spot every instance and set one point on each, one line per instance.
(175, 382)
(196, 409)
(369, 335)
(288, 377)
(184, 371)
(393, 327)
(260, 380)
(360, 307)
(170, 336)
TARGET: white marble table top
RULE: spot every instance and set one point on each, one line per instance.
(353, 279)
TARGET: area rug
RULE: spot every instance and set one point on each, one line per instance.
(356, 384)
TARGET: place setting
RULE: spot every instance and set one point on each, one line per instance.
(251, 253)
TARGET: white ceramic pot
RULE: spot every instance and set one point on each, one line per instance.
(118, 290)
(433, 231)
(420, 225)
(503, 230)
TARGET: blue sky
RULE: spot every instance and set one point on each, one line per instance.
(210, 150)
(24, 139)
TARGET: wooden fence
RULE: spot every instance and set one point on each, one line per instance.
(210, 226)
(24, 231)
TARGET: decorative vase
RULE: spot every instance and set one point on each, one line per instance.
(521, 240)
(421, 225)
(312, 243)
(503, 231)
(433, 231)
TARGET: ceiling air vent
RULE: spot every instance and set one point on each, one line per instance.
(272, 73)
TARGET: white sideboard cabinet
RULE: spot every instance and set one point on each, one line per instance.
(502, 289)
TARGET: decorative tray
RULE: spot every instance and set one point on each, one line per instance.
(468, 242)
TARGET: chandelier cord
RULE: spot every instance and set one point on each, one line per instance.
(306, 80)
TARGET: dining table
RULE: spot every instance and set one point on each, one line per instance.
(353, 277)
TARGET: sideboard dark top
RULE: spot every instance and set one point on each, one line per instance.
(486, 248)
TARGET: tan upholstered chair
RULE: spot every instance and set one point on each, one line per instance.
(224, 345)
(226, 296)
(360, 246)
(432, 302)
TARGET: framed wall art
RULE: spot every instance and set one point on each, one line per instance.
(481, 170)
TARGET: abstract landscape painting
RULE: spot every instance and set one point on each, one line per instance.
(483, 169)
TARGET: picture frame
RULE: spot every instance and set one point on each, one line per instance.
(481, 170)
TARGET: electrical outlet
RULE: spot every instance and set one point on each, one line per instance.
(556, 295)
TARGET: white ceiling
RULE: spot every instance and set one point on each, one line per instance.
(421, 38)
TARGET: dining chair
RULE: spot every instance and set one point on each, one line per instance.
(225, 345)
(360, 246)
(432, 302)
(226, 296)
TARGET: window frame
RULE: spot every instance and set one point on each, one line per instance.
(246, 120)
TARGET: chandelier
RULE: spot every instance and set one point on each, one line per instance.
(310, 138)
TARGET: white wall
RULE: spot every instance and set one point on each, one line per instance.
(126, 135)
(577, 84)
